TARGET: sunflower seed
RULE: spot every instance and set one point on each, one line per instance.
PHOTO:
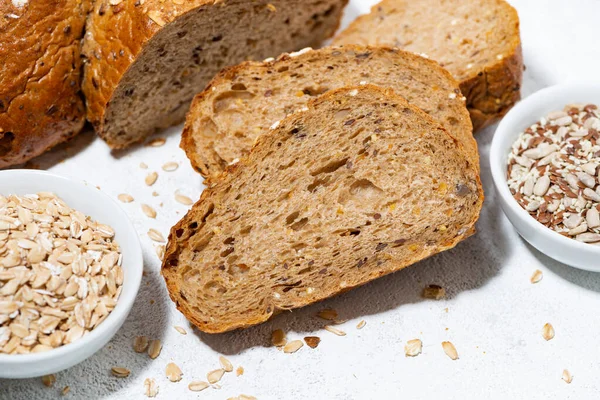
(170, 166)
(173, 372)
(154, 348)
(125, 198)
(150, 387)
(312, 341)
(215, 376)
(160, 252)
(198, 386)
(151, 178)
(328, 314)
(65, 390)
(361, 324)
(180, 330)
(143, 165)
(334, 330)
(537, 276)
(548, 331)
(293, 346)
(566, 376)
(156, 236)
(413, 348)
(183, 199)
(278, 338)
(140, 344)
(157, 142)
(450, 350)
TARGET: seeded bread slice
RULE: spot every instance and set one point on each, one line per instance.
(147, 59)
(359, 185)
(476, 40)
(242, 102)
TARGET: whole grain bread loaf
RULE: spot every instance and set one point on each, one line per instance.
(147, 59)
(359, 185)
(242, 102)
(476, 40)
(40, 74)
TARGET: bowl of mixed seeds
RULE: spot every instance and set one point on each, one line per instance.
(70, 269)
(545, 162)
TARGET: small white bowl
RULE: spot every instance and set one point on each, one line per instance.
(100, 207)
(524, 114)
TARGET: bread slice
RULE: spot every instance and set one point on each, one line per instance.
(358, 185)
(476, 40)
(40, 76)
(147, 59)
(242, 102)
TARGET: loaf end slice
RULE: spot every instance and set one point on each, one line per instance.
(358, 185)
(146, 60)
(478, 41)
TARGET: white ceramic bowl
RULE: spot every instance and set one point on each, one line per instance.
(524, 114)
(100, 207)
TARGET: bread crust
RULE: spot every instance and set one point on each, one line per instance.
(118, 37)
(40, 101)
(198, 214)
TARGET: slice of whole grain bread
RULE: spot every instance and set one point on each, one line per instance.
(147, 59)
(359, 185)
(476, 40)
(242, 102)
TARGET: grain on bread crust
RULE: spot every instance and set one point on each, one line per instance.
(242, 102)
(478, 41)
(147, 59)
(359, 185)
(40, 74)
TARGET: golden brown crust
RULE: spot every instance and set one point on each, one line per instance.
(40, 101)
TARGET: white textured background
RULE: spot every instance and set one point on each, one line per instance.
(494, 316)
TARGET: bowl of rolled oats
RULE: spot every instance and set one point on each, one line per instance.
(70, 269)
(545, 163)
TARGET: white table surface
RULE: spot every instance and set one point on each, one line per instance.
(494, 314)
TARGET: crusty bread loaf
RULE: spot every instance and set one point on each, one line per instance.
(40, 73)
(242, 102)
(359, 185)
(147, 59)
(476, 40)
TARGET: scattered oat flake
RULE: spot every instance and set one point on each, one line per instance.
(198, 386)
(328, 314)
(151, 178)
(450, 350)
(361, 324)
(180, 198)
(65, 390)
(140, 344)
(180, 330)
(435, 292)
(48, 380)
(170, 166)
(566, 376)
(334, 330)
(278, 338)
(173, 372)
(157, 142)
(293, 346)
(226, 364)
(120, 372)
(156, 235)
(125, 198)
(548, 331)
(246, 397)
(239, 371)
(312, 341)
(537, 276)
(215, 376)
(143, 165)
(154, 348)
(413, 348)
(150, 387)
(149, 211)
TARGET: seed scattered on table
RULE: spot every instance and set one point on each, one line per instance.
(450, 350)
(160, 252)
(537, 276)
(215, 376)
(413, 348)
(49, 380)
(328, 314)
(198, 386)
(180, 330)
(226, 364)
(293, 346)
(434, 292)
(154, 348)
(143, 165)
(120, 372)
(150, 387)
(140, 344)
(156, 236)
(239, 371)
(548, 331)
(278, 338)
(361, 324)
(151, 178)
(566, 376)
(125, 198)
(158, 142)
(173, 372)
(334, 330)
(149, 211)
(65, 390)
(183, 199)
(312, 341)
(170, 166)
